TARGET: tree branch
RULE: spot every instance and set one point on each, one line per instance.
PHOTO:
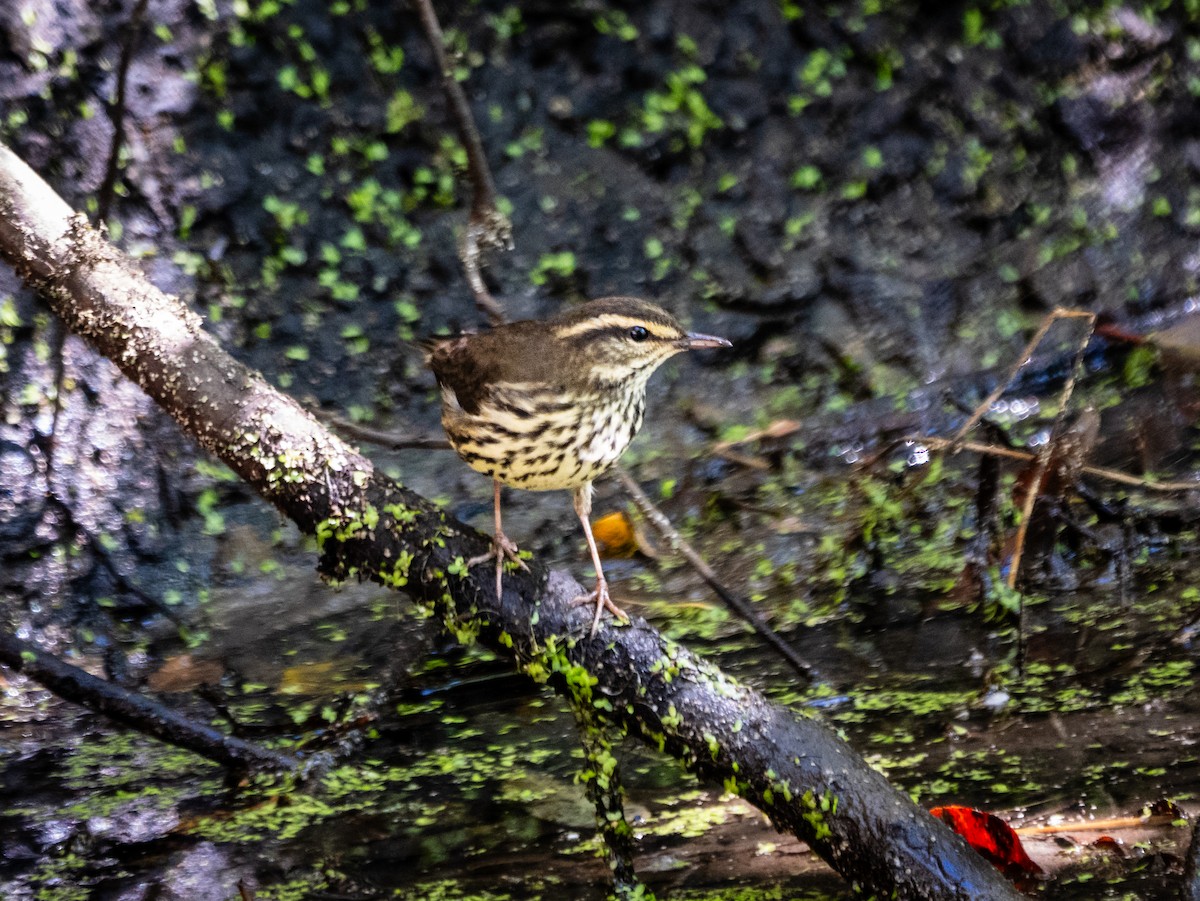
(793, 767)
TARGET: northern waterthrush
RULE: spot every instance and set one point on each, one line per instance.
(551, 404)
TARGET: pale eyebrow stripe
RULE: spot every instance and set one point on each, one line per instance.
(617, 321)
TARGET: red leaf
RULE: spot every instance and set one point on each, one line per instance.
(991, 837)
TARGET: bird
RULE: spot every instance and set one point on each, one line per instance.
(552, 404)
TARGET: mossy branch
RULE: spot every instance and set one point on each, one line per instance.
(793, 767)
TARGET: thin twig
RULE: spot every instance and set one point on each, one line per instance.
(1026, 356)
(487, 228)
(383, 439)
(116, 113)
(739, 606)
(1103, 825)
(477, 237)
(1100, 472)
(1046, 452)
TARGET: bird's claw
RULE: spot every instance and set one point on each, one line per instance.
(503, 550)
(599, 596)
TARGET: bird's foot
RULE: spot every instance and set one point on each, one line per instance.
(503, 550)
(599, 596)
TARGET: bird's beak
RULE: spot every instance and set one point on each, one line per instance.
(694, 341)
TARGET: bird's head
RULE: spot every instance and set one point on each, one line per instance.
(616, 339)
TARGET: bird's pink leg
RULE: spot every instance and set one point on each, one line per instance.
(583, 508)
(503, 547)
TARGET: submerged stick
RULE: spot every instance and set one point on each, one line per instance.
(739, 606)
(137, 711)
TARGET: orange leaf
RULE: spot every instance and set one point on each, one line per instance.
(615, 534)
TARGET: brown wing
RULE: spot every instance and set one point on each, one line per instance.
(518, 352)
(458, 365)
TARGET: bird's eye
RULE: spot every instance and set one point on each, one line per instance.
(638, 333)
